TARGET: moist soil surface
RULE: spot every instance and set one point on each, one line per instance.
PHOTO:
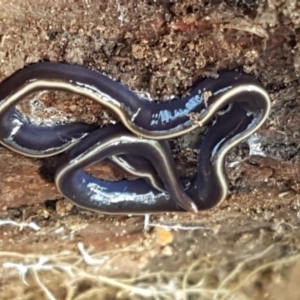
(246, 248)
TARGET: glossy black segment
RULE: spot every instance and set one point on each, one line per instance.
(116, 140)
(206, 189)
(139, 143)
(16, 130)
(138, 166)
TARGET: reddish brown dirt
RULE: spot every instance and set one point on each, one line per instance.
(247, 248)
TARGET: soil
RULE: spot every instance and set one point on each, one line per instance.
(246, 248)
